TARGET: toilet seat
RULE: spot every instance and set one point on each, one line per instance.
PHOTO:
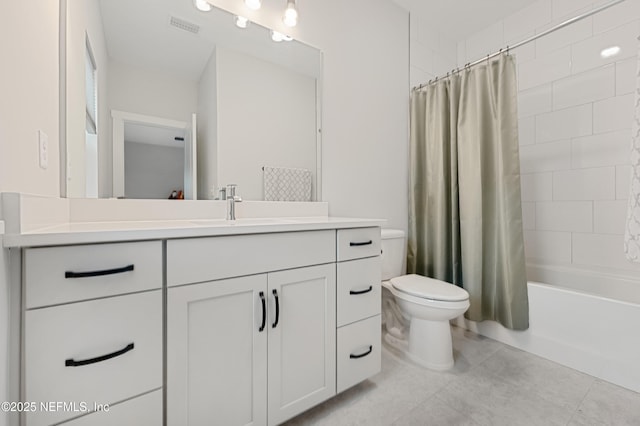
(429, 288)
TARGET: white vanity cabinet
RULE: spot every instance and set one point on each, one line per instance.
(359, 305)
(257, 349)
(92, 331)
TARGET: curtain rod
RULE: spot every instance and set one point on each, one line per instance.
(525, 41)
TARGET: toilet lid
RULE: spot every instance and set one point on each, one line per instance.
(429, 288)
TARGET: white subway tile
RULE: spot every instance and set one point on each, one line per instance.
(535, 101)
(421, 57)
(527, 131)
(566, 36)
(418, 76)
(485, 42)
(546, 245)
(526, 52)
(545, 69)
(585, 184)
(528, 19)
(626, 76)
(536, 187)
(462, 53)
(562, 8)
(545, 157)
(613, 114)
(609, 217)
(427, 35)
(529, 216)
(617, 15)
(564, 123)
(447, 47)
(623, 182)
(570, 216)
(587, 54)
(604, 149)
(601, 250)
(585, 87)
(414, 24)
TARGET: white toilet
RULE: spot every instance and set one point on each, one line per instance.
(427, 304)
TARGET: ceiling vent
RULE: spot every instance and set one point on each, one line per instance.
(184, 25)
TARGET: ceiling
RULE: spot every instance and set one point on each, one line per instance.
(460, 18)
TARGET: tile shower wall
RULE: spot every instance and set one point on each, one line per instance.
(432, 53)
(575, 115)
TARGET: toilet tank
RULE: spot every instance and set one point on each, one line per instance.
(393, 253)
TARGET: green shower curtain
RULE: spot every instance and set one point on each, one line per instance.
(465, 212)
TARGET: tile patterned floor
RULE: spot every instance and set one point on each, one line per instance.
(491, 384)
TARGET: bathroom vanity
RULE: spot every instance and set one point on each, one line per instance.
(196, 321)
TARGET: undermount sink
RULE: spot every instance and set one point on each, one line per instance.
(238, 222)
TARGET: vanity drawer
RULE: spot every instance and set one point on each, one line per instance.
(358, 291)
(145, 410)
(204, 259)
(129, 328)
(358, 352)
(357, 243)
(56, 275)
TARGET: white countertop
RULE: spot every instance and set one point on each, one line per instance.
(99, 232)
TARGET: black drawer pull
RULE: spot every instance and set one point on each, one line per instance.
(362, 355)
(264, 311)
(361, 291)
(70, 274)
(275, 295)
(73, 363)
(363, 243)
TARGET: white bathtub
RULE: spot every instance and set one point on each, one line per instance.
(596, 331)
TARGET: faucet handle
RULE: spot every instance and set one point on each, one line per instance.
(231, 190)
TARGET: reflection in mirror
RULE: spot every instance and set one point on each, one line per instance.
(256, 100)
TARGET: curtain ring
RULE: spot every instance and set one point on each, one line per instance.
(507, 49)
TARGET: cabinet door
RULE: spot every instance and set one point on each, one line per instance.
(216, 353)
(302, 340)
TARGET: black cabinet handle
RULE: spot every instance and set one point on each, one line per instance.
(361, 291)
(275, 295)
(73, 363)
(70, 274)
(362, 355)
(264, 311)
(358, 244)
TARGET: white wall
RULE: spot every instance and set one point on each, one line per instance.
(152, 171)
(365, 100)
(575, 112)
(266, 117)
(207, 145)
(433, 54)
(29, 101)
(133, 89)
(84, 20)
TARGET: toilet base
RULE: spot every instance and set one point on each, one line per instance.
(430, 344)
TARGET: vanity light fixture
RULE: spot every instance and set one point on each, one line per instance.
(202, 5)
(253, 4)
(241, 21)
(290, 17)
(610, 51)
(278, 37)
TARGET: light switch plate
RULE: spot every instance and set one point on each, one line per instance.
(43, 149)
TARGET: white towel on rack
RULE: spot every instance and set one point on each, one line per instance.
(632, 233)
(286, 184)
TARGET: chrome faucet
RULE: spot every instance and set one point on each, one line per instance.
(232, 199)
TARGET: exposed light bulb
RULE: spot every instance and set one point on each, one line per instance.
(278, 37)
(242, 22)
(610, 51)
(202, 5)
(253, 4)
(290, 17)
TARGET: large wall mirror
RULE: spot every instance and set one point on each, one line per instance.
(164, 100)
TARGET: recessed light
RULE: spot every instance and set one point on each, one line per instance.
(203, 5)
(242, 22)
